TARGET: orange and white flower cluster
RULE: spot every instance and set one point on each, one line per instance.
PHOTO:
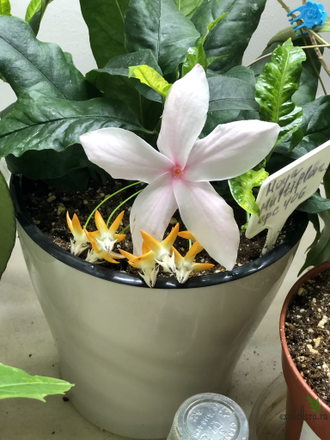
(155, 255)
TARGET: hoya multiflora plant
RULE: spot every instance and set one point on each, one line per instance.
(171, 106)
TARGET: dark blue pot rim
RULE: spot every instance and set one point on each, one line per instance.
(25, 220)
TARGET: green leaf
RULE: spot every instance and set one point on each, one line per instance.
(48, 164)
(230, 37)
(37, 65)
(275, 86)
(38, 123)
(315, 406)
(158, 25)
(229, 93)
(106, 24)
(325, 27)
(7, 225)
(196, 55)
(314, 204)
(283, 36)
(188, 7)
(319, 251)
(34, 13)
(5, 7)
(242, 186)
(147, 75)
(17, 383)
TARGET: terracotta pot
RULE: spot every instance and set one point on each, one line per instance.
(134, 353)
(298, 389)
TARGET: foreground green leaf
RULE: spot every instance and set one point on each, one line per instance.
(188, 7)
(35, 12)
(38, 123)
(230, 37)
(5, 7)
(158, 25)
(7, 225)
(147, 75)
(275, 86)
(17, 383)
(37, 65)
(319, 251)
(106, 23)
(242, 186)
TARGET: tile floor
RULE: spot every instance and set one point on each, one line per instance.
(26, 342)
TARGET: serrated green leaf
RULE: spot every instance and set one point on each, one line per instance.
(34, 13)
(17, 383)
(230, 37)
(37, 65)
(188, 7)
(38, 123)
(158, 25)
(275, 86)
(106, 24)
(7, 225)
(147, 75)
(242, 186)
(5, 7)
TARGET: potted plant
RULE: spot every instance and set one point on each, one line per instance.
(136, 353)
(305, 404)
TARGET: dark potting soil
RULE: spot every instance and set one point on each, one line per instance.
(48, 207)
(307, 331)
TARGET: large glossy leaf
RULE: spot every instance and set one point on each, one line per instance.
(17, 383)
(113, 80)
(37, 123)
(5, 7)
(158, 25)
(34, 13)
(7, 225)
(188, 7)
(106, 23)
(315, 204)
(230, 94)
(275, 86)
(48, 164)
(231, 36)
(242, 186)
(319, 251)
(27, 63)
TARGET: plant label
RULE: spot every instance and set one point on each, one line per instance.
(283, 191)
(307, 433)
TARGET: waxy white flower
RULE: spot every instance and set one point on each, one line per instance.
(179, 173)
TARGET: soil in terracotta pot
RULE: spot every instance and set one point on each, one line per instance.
(307, 331)
(48, 207)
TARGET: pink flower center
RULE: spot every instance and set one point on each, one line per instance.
(177, 172)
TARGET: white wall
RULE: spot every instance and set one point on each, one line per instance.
(64, 25)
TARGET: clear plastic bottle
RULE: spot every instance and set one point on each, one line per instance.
(209, 416)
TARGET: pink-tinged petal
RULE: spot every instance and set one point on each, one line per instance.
(184, 115)
(231, 150)
(124, 155)
(209, 219)
(152, 211)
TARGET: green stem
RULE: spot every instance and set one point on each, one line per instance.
(121, 204)
(109, 197)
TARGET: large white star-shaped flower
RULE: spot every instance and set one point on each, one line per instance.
(179, 173)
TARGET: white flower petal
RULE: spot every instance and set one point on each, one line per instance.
(152, 211)
(208, 217)
(231, 150)
(124, 155)
(184, 115)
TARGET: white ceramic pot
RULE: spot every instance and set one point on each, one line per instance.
(134, 353)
